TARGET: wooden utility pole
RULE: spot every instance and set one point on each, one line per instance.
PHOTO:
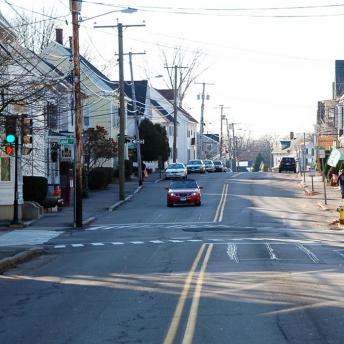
(78, 117)
(175, 110)
(221, 127)
(137, 131)
(122, 124)
(202, 117)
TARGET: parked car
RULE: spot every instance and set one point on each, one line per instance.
(287, 164)
(195, 166)
(219, 166)
(176, 170)
(184, 192)
(209, 166)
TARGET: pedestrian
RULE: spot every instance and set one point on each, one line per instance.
(341, 182)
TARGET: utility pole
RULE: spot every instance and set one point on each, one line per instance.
(202, 116)
(221, 119)
(137, 131)
(227, 127)
(76, 8)
(175, 110)
(121, 139)
(234, 147)
(304, 157)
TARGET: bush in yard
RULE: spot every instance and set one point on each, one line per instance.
(97, 178)
(35, 188)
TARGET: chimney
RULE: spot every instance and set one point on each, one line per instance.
(59, 36)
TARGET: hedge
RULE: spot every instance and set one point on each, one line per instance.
(35, 188)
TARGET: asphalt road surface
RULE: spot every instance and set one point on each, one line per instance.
(254, 264)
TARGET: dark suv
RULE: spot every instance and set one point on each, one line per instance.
(287, 164)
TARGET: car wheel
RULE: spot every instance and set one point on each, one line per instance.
(199, 204)
(169, 205)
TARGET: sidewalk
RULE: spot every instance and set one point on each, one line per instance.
(333, 195)
(19, 245)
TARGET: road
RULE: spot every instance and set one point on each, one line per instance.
(254, 264)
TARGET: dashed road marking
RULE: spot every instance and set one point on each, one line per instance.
(271, 252)
(309, 253)
(136, 242)
(156, 241)
(77, 245)
(60, 246)
(97, 244)
(117, 243)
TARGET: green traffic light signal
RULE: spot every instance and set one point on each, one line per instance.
(10, 138)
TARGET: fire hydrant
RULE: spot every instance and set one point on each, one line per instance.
(340, 209)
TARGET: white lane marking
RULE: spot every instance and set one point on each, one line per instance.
(27, 237)
(232, 252)
(97, 244)
(156, 241)
(340, 253)
(216, 239)
(95, 228)
(176, 241)
(309, 253)
(271, 252)
(77, 245)
(117, 243)
(60, 246)
(136, 242)
(194, 240)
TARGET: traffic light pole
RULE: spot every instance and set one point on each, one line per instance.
(15, 220)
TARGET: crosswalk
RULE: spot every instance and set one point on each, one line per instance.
(185, 225)
(237, 251)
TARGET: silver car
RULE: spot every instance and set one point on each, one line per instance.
(209, 165)
(195, 166)
(176, 171)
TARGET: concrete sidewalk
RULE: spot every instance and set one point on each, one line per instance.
(333, 195)
(19, 245)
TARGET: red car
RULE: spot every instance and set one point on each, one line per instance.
(184, 192)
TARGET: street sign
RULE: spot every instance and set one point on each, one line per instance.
(66, 141)
(321, 153)
(142, 141)
(334, 158)
(311, 172)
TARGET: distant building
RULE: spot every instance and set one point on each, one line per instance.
(339, 76)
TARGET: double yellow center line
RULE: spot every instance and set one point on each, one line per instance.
(192, 318)
(220, 208)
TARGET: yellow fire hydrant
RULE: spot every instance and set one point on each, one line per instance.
(340, 209)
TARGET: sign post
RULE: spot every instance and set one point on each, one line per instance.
(311, 173)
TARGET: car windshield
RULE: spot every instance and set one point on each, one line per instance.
(208, 162)
(185, 184)
(174, 166)
(217, 163)
(290, 160)
(194, 162)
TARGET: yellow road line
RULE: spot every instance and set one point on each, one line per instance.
(223, 204)
(219, 205)
(191, 324)
(171, 334)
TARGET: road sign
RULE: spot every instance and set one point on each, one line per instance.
(66, 141)
(142, 141)
(321, 153)
(311, 172)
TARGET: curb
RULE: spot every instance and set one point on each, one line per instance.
(128, 198)
(88, 220)
(323, 206)
(158, 180)
(21, 257)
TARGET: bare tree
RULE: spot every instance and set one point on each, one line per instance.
(193, 61)
(35, 33)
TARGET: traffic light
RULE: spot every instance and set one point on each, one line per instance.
(54, 151)
(26, 130)
(11, 129)
(9, 150)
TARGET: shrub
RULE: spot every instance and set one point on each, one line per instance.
(35, 188)
(109, 174)
(97, 178)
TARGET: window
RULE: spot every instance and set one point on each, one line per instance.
(86, 114)
(115, 117)
(188, 133)
(51, 114)
(170, 131)
(5, 169)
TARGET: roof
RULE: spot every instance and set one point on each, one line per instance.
(163, 111)
(214, 137)
(104, 78)
(168, 94)
(141, 87)
(187, 115)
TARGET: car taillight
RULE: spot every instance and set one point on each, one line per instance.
(56, 191)
(171, 194)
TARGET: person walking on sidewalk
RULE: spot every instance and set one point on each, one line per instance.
(341, 182)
